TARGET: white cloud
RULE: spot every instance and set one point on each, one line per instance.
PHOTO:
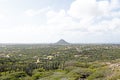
(61, 21)
(103, 7)
(32, 12)
(83, 9)
(85, 20)
(115, 4)
(87, 13)
(27, 33)
(3, 0)
(1, 16)
(59, 18)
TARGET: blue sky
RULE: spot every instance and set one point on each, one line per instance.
(47, 21)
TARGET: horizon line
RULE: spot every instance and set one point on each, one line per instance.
(17, 43)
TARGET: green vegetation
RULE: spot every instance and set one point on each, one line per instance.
(60, 62)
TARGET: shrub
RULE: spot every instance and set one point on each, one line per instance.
(97, 75)
(82, 73)
(14, 76)
(115, 77)
(19, 74)
(36, 76)
(41, 70)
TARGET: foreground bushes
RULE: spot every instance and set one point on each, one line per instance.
(14, 76)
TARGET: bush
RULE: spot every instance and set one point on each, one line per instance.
(115, 77)
(36, 76)
(19, 74)
(82, 65)
(69, 68)
(41, 70)
(14, 76)
(97, 75)
(41, 74)
(82, 73)
(93, 66)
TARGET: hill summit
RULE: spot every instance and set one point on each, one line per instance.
(62, 42)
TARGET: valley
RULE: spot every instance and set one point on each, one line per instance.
(60, 62)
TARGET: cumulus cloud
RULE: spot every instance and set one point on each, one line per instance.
(115, 4)
(32, 12)
(27, 33)
(83, 9)
(61, 21)
(1, 16)
(89, 11)
(96, 18)
(85, 20)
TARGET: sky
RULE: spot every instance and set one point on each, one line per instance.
(47, 21)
